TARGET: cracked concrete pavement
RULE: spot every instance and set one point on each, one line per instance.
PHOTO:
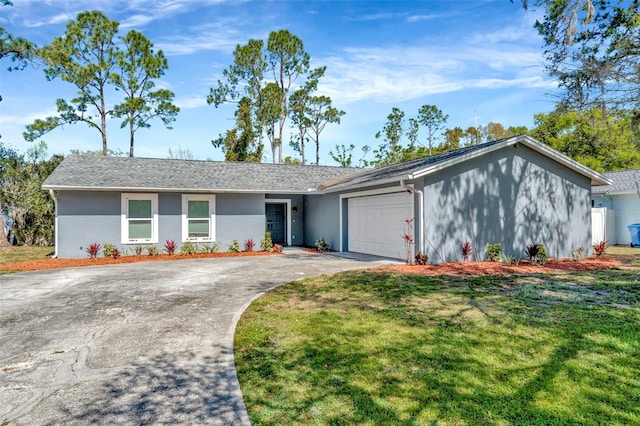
(143, 343)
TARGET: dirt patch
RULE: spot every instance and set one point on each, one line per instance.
(497, 268)
(42, 264)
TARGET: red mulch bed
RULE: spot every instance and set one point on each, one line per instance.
(315, 250)
(498, 268)
(41, 264)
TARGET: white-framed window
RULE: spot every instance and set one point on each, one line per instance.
(198, 217)
(139, 213)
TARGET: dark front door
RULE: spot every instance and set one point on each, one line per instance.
(275, 216)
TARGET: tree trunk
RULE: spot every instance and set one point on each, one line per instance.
(317, 149)
(4, 242)
(103, 124)
(132, 132)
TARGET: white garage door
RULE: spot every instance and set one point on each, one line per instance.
(376, 224)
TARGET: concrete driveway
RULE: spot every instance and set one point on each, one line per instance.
(145, 343)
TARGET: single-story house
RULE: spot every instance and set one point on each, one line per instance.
(616, 206)
(513, 191)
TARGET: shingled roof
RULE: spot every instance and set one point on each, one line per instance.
(142, 174)
(624, 182)
(422, 166)
(78, 172)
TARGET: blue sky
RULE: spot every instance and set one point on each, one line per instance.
(476, 60)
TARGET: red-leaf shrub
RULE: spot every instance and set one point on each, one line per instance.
(170, 247)
(249, 245)
(466, 248)
(600, 248)
(93, 250)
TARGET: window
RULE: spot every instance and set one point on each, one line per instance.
(139, 218)
(198, 218)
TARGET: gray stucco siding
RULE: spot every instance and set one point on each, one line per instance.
(322, 219)
(239, 217)
(514, 196)
(85, 218)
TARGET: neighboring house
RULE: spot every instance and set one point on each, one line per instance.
(616, 206)
(513, 191)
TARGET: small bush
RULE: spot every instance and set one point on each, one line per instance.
(494, 251)
(277, 248)
(138, 250)
(266, 244)
(93, 250)
(152, 250)
(116, 254)
(537, 253)
(421, 259)
(577, 254)
(600, 248)
(322, 245)
(170, 247)
(210, 248)
(249, 245)
(466, 248)
(107, 250)
(234, 247)
(188, 249)
(507, 260)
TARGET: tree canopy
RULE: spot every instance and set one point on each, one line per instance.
(88, 57)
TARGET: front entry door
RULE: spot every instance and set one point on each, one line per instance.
(275, 217)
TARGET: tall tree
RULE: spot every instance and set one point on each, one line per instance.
(301, 110)
(137, 66)
(246, 78)
(85, 57)
(239, 143)
(431, 117)
(288, 61)
(591, 47)
(389, 151)
(8, 155)
(31, 209)
(320, 113)
(20, 52)
(604, 144)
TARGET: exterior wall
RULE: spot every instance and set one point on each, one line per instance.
(239, 217)
(297, 216)
(623, 210)
(512, 196)
(322, 220)
(85, 217)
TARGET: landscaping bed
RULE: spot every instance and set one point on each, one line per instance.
(493, 268)
(41, 264)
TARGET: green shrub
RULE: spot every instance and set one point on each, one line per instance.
(210, 248)
(152, 250)
(234, 247)
(266, 244)
(322, 245)
(108, 249)
(138, 250)
(187, 249)
(494, 251)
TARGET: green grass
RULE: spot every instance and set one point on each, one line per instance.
(375, 348)
(21, 253)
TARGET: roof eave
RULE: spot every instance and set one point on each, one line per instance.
(348, 187)
(180, 190)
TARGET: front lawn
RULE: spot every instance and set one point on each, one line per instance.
(23, 253)
(384, 348)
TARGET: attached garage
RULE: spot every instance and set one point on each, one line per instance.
(376, 223)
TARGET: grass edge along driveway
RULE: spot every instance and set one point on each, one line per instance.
(383, 348)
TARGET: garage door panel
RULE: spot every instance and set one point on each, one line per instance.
(377, 223)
